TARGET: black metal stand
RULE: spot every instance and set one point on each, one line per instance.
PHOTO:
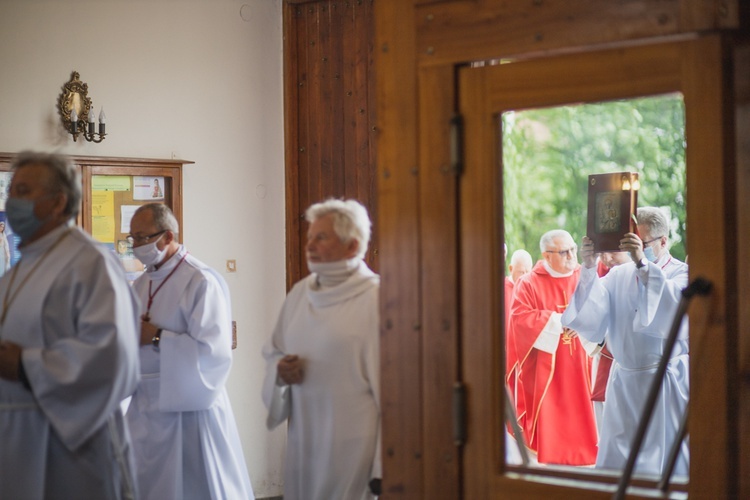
(510, 416)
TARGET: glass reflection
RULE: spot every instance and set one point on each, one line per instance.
(585, 330)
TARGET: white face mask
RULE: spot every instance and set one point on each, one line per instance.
(149, 254)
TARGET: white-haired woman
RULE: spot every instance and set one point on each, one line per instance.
(323, 362)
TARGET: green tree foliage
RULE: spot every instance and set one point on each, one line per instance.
(549, 153)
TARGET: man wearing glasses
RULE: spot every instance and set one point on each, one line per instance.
(632, 307)
(554, 398)
(185, 438)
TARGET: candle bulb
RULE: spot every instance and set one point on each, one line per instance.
(74, 120)
(92, 118)
(102, 121)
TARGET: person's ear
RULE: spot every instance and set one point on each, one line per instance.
(61, 202)
(352, 247)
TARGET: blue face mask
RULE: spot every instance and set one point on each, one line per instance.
(22, 218)
(649, 253)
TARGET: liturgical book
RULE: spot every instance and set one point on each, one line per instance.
(613, 199)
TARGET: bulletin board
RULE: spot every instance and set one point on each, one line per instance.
(113, 186)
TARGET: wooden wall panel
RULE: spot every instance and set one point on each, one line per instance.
(330, 149)
(711, 206)
(460, 31)
(404, 471)
(438, 214)
(741, 64)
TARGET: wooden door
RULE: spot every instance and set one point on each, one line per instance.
(690, 67)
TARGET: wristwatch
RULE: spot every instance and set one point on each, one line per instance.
(156, 338)
(641, 263)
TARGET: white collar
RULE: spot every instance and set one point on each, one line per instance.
(554, 273)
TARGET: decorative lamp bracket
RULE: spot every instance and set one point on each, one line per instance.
(75, 109)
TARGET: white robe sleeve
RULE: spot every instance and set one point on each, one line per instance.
(276, 395)
(91, 362)
(658, 298)
(588, 310)
(195, 364)
(549, 337)
(372, 368)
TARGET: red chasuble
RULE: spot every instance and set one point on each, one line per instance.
(511, 367)
(555, 412)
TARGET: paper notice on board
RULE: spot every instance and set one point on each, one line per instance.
(110, 183)
(126, 213)
(148, 188)
(103, 216)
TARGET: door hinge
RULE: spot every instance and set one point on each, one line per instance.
(459, 413)
(457, 145)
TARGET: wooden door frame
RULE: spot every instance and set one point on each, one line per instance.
(692, 67)
(413, 38)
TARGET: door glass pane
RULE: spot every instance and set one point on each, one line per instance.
(578, 392)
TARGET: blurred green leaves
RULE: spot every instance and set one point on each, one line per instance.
(549, 153)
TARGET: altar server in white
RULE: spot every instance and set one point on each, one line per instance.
(68, 347)
(184, 434)
(323, 363)
(635, 304)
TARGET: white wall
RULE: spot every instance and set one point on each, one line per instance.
(189, 79)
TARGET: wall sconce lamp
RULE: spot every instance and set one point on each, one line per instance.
(75, 104)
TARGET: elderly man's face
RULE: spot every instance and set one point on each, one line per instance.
(658, 242)
(517, 270)
(562, 255)
(143, 230)
(324, 245)
(31, 183)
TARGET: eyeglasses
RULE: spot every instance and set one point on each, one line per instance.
(651, 241)
(563, 253)
(143, 239)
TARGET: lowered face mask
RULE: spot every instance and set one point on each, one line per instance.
(149, 254)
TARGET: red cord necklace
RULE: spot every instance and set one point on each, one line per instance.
(152, 295)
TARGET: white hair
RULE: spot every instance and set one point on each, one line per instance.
(655, 220)
(521, 257)
(63, 176)
(350, 221)
(548, 238)
(164, 219)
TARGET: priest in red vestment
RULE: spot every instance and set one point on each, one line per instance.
(520, 265)
(554, 369)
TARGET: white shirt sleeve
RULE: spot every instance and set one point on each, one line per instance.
(550, 335)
